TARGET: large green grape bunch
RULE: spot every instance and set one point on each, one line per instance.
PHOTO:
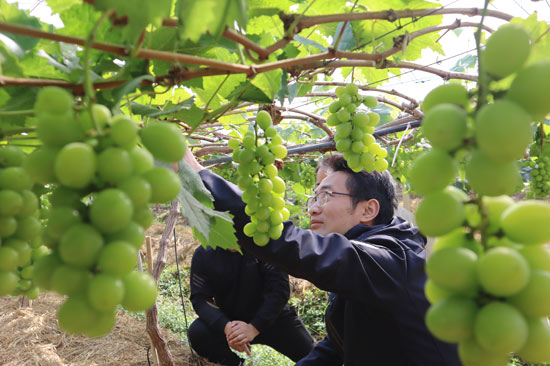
(20, 227)
(539, 163)
(263, 189)
(354, 130)
(489, 274)
(103, 186)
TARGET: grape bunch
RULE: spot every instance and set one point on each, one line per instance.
(354, 130)
(104, 184)
(489, 274)
(539, 186)
(263, 189)
(20, 227)
(494, 301)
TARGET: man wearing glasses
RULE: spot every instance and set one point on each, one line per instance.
(370, 261)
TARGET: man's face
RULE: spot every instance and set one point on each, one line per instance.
(338, 214)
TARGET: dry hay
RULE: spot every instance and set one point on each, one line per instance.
(186, 243)
(29, 336)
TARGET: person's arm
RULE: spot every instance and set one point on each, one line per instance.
(274, 297)
(323, 354)
(202, 295)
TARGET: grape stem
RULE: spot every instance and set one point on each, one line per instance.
(16, 113)
(482, 78)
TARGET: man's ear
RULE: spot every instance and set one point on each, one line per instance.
(369, 211)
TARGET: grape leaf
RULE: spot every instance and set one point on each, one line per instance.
(212, 228)
(347, 42)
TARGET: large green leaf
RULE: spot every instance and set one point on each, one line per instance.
(212, 228)
(9, 13)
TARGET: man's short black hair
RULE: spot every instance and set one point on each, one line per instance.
(365, 186)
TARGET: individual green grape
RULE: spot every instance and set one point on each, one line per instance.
(489, 177)
(105, 292)
(503, 130)
(117, 258)
(500, 328)
(165, 184)
(75, 165)
(8, 226)
(502, 271)
(538, 256)
(164, 141)
(140, 291)
(452, 319)
(439, 213)
(472, 354)
(529, 89)
(142, 160)
(532, 299)
(80, 245)
(454, 269)
(58, 130)
(9, 259)
(111, 210)
(53, 100)
(124, 131)
(103, 324)
(15, 178)
(445, 126)
(67, 280)
(507, 50)
(432, 171)
(43, 270)
(370, 101)
(535, 349)
(137, 188)
(447, 93)
(101, 118)
(527, 222)
(76, 315)
(114, 164)
(11, 202)
(263, 119)
(495, 206)
(435, 293)
(11, 156)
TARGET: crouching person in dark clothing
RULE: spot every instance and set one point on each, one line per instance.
(241, 301)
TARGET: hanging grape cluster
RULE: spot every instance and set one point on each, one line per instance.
(489, 274)
(263, 189)
(354, 130)
(539, 163)
(100, 206)
(20, 244)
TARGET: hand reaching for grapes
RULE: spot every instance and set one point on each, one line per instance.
(239, 335)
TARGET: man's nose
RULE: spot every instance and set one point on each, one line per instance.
(314, 209)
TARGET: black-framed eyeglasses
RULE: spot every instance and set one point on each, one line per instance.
(321, 198)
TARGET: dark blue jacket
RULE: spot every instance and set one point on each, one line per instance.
(228, 286)
(376, 276)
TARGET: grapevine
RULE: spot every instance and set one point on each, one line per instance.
(487, 274)
(100, 207)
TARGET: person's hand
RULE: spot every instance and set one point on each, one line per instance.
(241, 334)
